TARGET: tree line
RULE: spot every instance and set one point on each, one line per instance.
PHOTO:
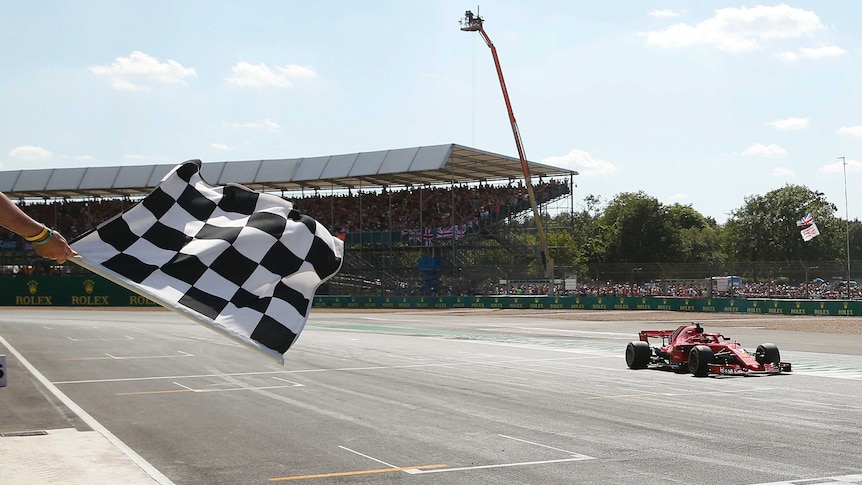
(635, 227)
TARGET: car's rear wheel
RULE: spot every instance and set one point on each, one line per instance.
(699, 359)
(638, 354)
(767, 354)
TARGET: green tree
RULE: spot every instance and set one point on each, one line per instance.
(582, 234)
(855, 240)
(764, 228)
(637, 228)
(700, 237)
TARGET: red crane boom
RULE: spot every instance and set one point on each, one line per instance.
(473, 23)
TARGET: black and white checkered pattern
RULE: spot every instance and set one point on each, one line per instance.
(242, 262)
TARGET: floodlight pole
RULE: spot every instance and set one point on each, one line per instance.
(473, 23)
(847, 217)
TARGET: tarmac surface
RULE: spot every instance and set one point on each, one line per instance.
(425, 397)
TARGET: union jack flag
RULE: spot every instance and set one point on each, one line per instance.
(808, 219)
(445, 232)
(460, 231)
(413, 235)
(428, 237)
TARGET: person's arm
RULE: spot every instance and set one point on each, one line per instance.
(47, 243)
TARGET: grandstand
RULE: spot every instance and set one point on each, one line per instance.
(441, 219)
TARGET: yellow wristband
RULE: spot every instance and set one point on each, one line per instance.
(43, 241)
(41, 235)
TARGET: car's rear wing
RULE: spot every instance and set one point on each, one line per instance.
(645, 335)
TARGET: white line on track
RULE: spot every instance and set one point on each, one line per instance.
(185, 387)
(73, 339)
(572, 457)
(545, 446)
(583, 333)
(810, 481)
(137, 459)
(500, 465)
(182, 354)
(366, 456)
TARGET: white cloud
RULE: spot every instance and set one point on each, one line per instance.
(246, 74)
(266, 125)
(783, 172)
(740, 29)
(788, 124)
(760, 150)
(135, 72)
(219, 146)
(821, 52)
(676, 197)
(838, 166)
(812, 53)
(663, 13)
(850, 130)
(582, 162)
(30, 152)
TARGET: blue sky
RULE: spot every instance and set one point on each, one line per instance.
(701, 103)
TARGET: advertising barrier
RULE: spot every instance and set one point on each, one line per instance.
(709, 305)
(66, 291)
(95, 291)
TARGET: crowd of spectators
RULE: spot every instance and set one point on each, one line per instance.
(423, 207)
(351, 211)
(71, 218)
(772, 290)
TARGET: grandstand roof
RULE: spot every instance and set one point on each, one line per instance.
(434, 164)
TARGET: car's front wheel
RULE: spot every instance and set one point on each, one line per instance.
(767, 354)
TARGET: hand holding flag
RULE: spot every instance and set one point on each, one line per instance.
(243, 263)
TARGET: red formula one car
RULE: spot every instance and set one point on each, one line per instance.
(690, 349)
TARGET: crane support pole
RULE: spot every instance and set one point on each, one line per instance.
(540, 229)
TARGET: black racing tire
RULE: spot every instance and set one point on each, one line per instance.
(699, 359)
(638, 354)
(767, 354)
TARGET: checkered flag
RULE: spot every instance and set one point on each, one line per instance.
(241, 262)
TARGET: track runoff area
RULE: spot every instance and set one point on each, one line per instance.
(426, 397)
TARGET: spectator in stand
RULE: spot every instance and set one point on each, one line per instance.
(47, 242)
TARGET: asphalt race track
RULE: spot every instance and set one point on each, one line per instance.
(433, 397)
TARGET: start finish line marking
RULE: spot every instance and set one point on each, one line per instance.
(439, 468)
(216, 387)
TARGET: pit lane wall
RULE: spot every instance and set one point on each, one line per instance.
(95, 291)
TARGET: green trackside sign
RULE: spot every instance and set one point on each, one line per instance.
(95, 291)
(67, 291)
(708, 305)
